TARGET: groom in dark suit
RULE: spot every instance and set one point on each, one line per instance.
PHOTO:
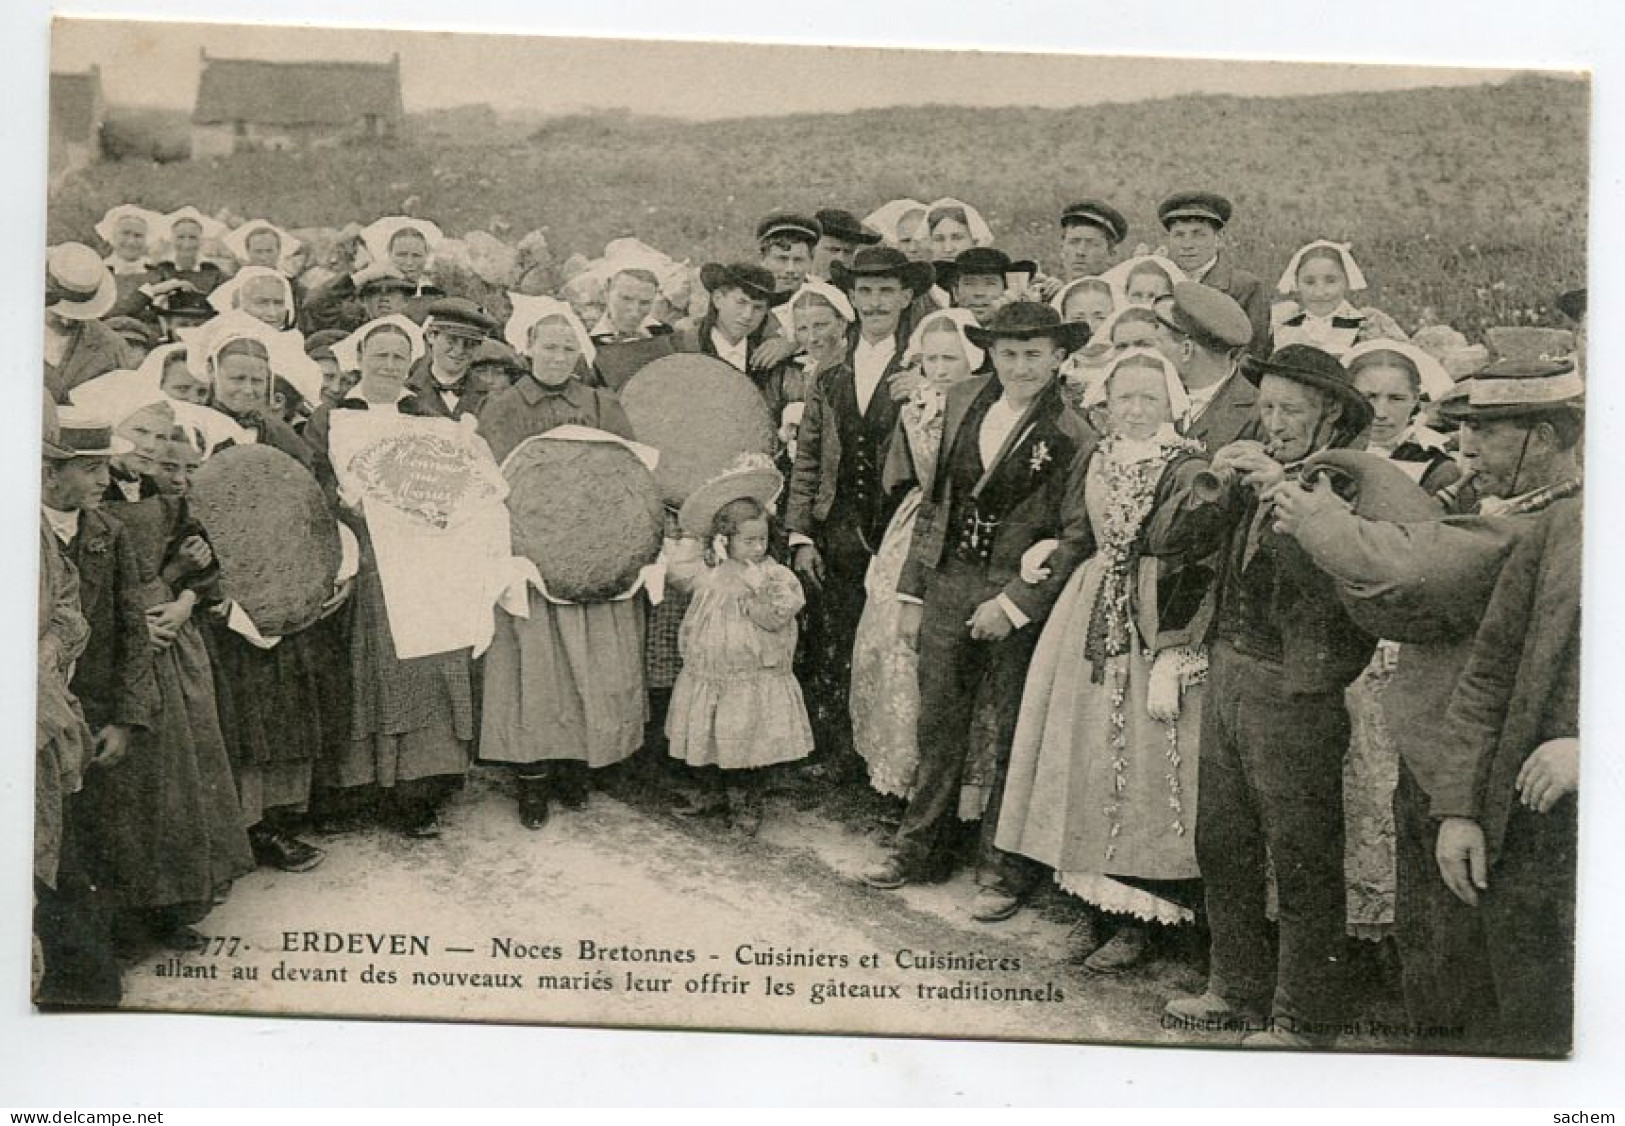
(1009, 474)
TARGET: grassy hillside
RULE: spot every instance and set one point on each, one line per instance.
(1465, 204)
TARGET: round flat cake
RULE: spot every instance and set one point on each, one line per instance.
(275, 538)
(588, 514)
(701, 415)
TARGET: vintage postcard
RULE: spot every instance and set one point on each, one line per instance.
(825, 540)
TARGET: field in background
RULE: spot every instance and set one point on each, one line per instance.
(1464, 205)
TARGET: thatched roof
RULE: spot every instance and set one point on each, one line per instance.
(74, 98)
(302, 93)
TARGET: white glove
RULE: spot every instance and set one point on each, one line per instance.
(1034, 560)
(1162, 690)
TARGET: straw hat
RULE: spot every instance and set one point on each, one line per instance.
(78, 284)
(753, 475)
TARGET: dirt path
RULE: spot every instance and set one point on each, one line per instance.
(622, 914)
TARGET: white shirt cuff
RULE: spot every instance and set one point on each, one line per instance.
(1012, 611)
(910, 600)
(797, 540)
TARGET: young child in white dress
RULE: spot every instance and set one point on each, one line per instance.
(736, 706)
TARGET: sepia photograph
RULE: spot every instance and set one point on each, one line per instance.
(972, 545)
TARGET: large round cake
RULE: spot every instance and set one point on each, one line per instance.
(275, 538)
(701, 415)
(588, 514)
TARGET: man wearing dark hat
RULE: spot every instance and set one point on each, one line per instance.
(495, 367)
(453, 330)
(351, 300)
(1091, 231)
(1275, 728)
(1202, 332)
(979, 279)
(180, 309)
(1195, 222)
(113, 681)
(736, 328)
(843, 233)
(786, 241)
(837, 507)
(1428, 586)
(1009, 474)
(79, 290)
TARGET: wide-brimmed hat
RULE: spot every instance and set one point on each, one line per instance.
(81, 434)
(78, 284)
(753, 280)
(1209, 316)
(1096, 213)
(847, 227)
(458, 316)
(1208, 206)
(884, 262)
(1028, 320)
(789, 224)
(982, 261)
(1308, 365)
(753, 475)
(1515, 389)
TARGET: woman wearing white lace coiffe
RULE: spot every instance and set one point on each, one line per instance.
(1102, 780)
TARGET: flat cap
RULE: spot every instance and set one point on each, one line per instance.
(1211, 318)
(789, 224)
(460, 317)
(1096, 213)
(1209, 206)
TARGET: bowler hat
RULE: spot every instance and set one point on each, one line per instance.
(458, 316)
(1516, 389)
(843, 225)
(184, 305)
(791, 225)
(1096, 213)
(1308, 365)
(753, 280)
(78, 284)
(1209, 316)
(1208, 206)
(1028, 320)
(981, 261)
(883, 262)
(81, 434)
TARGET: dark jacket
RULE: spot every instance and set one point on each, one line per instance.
(114, 679)
(815, 477)
(1521, 684)
(93, 349)
(421, 382)
(1038, 479)
(1232, 413)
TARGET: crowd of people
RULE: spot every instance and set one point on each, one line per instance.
(1220, 605)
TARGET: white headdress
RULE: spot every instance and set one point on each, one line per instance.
(1179, 400)
(980, 233)
(348, 351)
(1117, 277)
(237, 240)
(528, 310)
(226, 296)
(286, 350)
(1351, 269)
(211, 228)
(1058, 302)
(381, 232)
(961, 319)
(889, 216)
(157, 225)
(1434, 379)
(817, 287)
